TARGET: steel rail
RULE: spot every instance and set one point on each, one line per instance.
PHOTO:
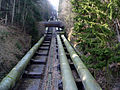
(67, 78)
(87, 79)
(14, 75)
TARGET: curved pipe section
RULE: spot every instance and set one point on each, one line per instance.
(87, 79)
(67, 78)
(9, 81)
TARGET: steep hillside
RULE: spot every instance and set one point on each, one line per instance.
(13, 45)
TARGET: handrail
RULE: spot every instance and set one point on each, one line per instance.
(67, 78)
(14, 75)
(87, 79)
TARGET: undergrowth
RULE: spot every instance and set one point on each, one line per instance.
(95, 32)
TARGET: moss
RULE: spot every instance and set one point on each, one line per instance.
(18, 45)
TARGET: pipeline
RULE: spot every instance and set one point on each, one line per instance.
(14, 75)
(54, 24)
(87, 79)
(67, 78)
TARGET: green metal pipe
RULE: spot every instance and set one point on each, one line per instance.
(87, 79)
(9, 81)
(67, 78)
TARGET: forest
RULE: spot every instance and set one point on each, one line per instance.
(92, 29)
(25, 14)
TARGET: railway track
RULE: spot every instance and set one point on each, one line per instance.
(52, 64)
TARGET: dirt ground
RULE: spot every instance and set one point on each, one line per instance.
(13, 45)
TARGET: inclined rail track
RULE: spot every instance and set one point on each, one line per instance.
(32, 78)
(52, 64)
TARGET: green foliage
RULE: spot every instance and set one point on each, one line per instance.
(94, 31)
(18, 45)
(4, 33)
(30, 26)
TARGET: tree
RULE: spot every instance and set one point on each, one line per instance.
(13, 11)
(25, 13)
(0, 3)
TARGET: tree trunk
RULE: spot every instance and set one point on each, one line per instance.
(24, 13)
(19, 7)
(6, 18)
(0, 3)
(13, 12)
(117, 29)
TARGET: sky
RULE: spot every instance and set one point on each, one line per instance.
(55, 3)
